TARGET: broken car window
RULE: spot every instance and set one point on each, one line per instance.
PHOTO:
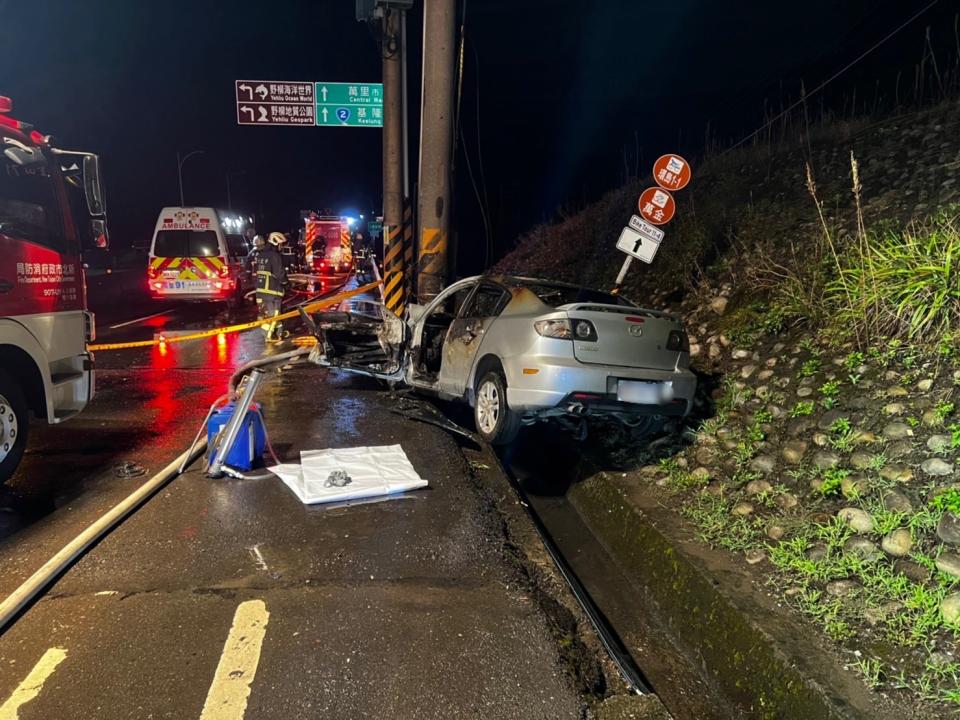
(557, 295)
(486, 302)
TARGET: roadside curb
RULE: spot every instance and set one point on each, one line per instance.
(755, 655)
(599, 684)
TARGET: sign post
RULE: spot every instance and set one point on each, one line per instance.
(641, 238)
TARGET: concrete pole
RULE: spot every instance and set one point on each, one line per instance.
(392, 163)
(436, 140)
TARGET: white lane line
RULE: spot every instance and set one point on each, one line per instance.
(32, 684)
(133, 322)
(228, 694)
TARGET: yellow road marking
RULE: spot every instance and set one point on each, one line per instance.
(228, 694)
(32, 684)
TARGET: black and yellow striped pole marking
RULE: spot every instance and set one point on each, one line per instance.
(408, 249)
(432, 266)
(394, 289)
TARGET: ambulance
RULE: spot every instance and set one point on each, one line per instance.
(199, 254)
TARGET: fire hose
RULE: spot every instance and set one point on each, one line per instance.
(63, 559)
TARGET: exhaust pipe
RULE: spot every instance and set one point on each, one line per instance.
(576, 409)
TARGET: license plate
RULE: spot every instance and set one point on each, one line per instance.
(190, 285)
(644, 393)
(171, 274)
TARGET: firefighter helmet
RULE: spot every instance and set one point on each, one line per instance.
(277, 239)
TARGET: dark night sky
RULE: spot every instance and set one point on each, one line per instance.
(562, 87)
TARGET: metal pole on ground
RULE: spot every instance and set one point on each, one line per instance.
(230, 432)
(393, 161)
(436, 141)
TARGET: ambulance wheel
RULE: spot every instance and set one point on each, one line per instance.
(14, 426)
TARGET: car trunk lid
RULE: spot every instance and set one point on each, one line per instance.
(627, 337)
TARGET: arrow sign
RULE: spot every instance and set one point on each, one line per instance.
(247, 89)
(323, 91)
(637, 245)
(244, 108)
(262, 91)
(324, 113)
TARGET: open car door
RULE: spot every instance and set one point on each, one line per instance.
(365, 338)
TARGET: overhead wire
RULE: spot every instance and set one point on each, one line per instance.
(841, 71)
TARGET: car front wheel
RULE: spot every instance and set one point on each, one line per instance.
(14, 424)
(496, 422)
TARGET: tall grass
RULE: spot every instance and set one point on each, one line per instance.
(903, 283)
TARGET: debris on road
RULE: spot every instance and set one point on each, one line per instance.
(368, 471)
(129, 469)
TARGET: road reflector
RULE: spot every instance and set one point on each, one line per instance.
(530, 371)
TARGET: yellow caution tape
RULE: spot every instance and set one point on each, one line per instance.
(312, 307)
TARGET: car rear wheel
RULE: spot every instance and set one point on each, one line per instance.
(496, 422)
(14, 426)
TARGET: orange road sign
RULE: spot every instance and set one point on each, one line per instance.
(671, 172)
(656, 206)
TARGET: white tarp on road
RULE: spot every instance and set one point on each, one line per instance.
(373, 471)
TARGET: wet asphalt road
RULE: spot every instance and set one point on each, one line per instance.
(403, 608)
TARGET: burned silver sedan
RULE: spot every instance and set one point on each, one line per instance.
(521, 350)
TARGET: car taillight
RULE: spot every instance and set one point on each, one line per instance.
(584, 330)
(678, 341)
(89, 326)
(225, 268)
(151, 272)
(554, 329)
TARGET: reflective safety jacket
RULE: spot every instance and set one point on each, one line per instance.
(268, 265)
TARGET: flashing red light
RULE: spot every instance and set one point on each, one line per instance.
(585, 396)
(6, 104)
(225, 269)
(151, 272)
(9, 122)
(37, 137)
(158, 285)
(631, 318)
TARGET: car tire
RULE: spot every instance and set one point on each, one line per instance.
(14, 426)
(496, 423)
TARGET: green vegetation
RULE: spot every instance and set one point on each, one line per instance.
(802, 409)
(832, 480)
(902, 284)
(809, 368)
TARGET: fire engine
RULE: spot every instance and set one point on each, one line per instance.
(45, 368)
(328, 244)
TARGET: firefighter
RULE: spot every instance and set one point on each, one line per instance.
(268, 265)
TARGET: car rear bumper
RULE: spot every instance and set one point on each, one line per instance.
(557, 382)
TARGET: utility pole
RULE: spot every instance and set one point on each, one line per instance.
(436, 141)
(394, 288)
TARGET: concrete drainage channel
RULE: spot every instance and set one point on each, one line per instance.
(708, 645)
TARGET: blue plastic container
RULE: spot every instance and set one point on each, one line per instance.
(251, 440)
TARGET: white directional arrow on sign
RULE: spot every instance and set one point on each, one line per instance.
(323, 91)
(248, 89)
(324, 113)
(262, 91)
(637, 245)
(244, 108)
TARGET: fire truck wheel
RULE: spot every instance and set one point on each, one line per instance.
(14, 426)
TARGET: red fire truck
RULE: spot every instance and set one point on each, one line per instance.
(45, 368)
(328, 247)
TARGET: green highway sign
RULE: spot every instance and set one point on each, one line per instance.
(349, 104)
